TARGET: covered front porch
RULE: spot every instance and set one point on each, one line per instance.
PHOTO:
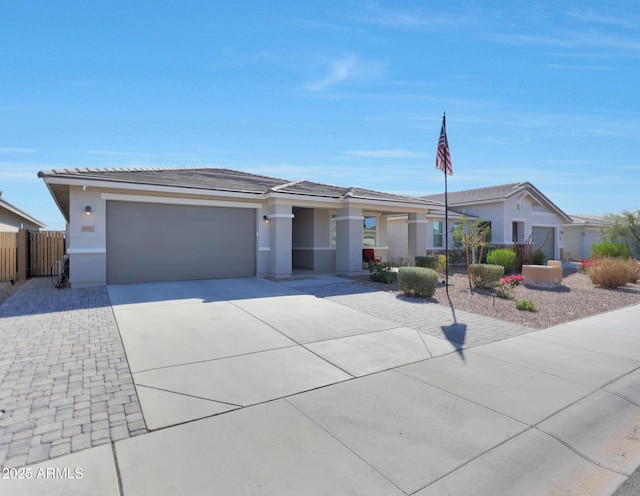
(303, 236)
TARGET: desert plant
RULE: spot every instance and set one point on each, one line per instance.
(526, 305)
(609, 249)
(430, 262)
(420, 282)
(475, 240)
(486, 276)
(400, 261)
(625, 227)
(442, 264)
(455, 256)
(381, 272)
(504, 290)
(504, 257)
(609, 272)
(539, 258)
(584, 266)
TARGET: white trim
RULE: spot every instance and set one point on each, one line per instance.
(418, 221)
(98, 184)
(86, 251)
(168, 200)
(280, 216)
(264, 248)
(351, 217)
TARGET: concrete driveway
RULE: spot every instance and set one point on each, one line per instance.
(199, 348)
(252, 387)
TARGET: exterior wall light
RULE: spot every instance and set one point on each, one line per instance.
(265, 218)
(87, 210)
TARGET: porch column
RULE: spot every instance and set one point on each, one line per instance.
(280, 240)
(349, 240)
(417, 235)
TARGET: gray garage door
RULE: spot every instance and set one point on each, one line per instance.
(148, 242)
(544, 237)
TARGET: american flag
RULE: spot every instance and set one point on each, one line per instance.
(443, 157)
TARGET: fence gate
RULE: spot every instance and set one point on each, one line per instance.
(45, 249)
(8, 256)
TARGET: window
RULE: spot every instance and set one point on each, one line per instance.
(438, 228)
(369, 237)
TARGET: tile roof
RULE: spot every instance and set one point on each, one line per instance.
(496, 193)
(595, 220)
(481, 194)
(201, 178)
(217, 179)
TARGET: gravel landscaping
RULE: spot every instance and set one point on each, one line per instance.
(576, 298)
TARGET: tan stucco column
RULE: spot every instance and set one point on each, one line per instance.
(280, 217)
(349, 240)
(417, 235)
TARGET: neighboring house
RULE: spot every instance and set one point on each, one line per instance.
(397, 228)
(580, 234)
(138, 225)
(517, 213)
(12, 218)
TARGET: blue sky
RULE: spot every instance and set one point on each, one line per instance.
(341, 92)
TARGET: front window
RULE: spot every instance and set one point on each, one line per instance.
(438, 230)
(369, 231)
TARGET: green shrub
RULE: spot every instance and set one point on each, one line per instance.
(611, 272)
(430, 262)
(539, 258)
(420, 282)
(457, 255)
(486, 276)
(609, 249)
(526, 305)
(381, 272)
(504, 257)
(442, 264)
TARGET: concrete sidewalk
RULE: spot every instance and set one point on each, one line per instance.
(352, 403)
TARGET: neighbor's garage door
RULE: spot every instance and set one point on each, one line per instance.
(544, 237)
(149, 242)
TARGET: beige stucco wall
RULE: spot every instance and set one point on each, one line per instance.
(11, 222)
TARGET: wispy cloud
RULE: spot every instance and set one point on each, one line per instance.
(340, 70)
(572, 40)
(370, 12)
(384, 153)
(17, 150)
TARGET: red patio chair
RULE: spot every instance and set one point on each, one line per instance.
(368, 255)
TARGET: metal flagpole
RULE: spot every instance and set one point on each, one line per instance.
(443, 162)
(446, 228)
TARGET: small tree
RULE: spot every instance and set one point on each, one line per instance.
(476, 236)
(625, 227)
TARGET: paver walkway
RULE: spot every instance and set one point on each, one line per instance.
(65, 382)
(436, 320)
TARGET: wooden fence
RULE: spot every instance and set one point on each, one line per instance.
(8, 256)
(45, 249)
(35, 252)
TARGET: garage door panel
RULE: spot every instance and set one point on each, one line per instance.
(149, 242)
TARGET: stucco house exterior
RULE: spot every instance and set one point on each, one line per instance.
(581, 233)
(13, 219)
(144, 225)
(516, 212)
